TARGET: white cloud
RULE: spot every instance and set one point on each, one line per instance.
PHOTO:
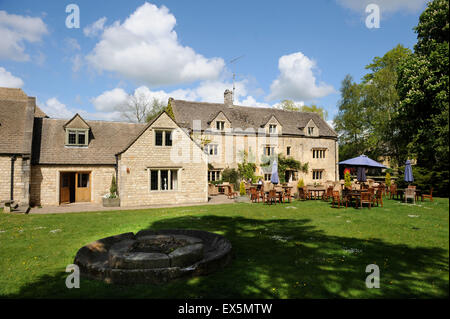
(72, 44)
(15, 30)
(296, 80)
(387, 6)
(77, 62)
(110, 100)
(54, 108)
(9, 80)
(95, 28)
(145, 48)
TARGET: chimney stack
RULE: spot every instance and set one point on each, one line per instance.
(228, 98)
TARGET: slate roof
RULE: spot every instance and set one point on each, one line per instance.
(16, 121)
(105, 140)
(245, 117)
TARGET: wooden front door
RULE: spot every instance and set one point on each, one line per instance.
(67, 187)
(83, 187)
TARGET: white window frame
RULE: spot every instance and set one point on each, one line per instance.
(220, 125)
(212, 147)
(169, 178)
(164, 135)
(317, 174)
(214, 173)
(77, 134)
(272, 128)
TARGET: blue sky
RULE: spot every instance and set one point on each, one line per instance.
(299, 50)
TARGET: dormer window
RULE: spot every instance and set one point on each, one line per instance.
(76, 137)
(272, 129)
(220, 125)
(77, 131)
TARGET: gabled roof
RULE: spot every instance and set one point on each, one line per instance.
(16, 121)
(273, 116)
(217, 114)
(145, 128)
(245, 117)
(39, 113)
(77, 122)
(105, 140)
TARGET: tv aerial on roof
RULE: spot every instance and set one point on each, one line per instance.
(234, 74)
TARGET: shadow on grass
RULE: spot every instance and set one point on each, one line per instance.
(281, 258)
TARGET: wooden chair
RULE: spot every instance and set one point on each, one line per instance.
(382, 188)
(393, 191)
(378, 198)
(366, 198)
(430, 196)
(328, 194)
(231, 193)
(254, 195)
(410, 193)
(271, 197)
(212, 190)
(336, 199)
(261, 194)
(302, 194)
(287, 194)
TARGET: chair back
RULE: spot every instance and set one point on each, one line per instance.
(330, 191)
(335, 194)
(379, 193)
(365, 196)
(272, 193)
(410, 192)
(371, 190)
(412, 186)
(253, 191)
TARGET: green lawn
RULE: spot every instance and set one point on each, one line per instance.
(298, 250)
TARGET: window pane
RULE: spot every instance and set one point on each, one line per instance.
(168, 138)
(158, 138)
(83, 180)
(174, 179)
(81, 138)
(72, 137)
(153, 180)
(164, 179)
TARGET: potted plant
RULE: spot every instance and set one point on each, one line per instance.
(243, 195)
(348, 180)
(111, 199)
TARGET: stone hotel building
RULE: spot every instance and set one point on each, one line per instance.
(48, 161)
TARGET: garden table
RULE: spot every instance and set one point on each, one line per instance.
(315, 191)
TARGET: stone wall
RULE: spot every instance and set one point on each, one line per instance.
(301, 150)
(20, 179)
(184, 155)
(45, 181)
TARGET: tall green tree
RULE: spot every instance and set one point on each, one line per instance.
(381, 101)
(289, 105)
(315, 109)
(350, 122)
(423, 88)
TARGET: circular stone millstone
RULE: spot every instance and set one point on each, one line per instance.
(153, 256)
